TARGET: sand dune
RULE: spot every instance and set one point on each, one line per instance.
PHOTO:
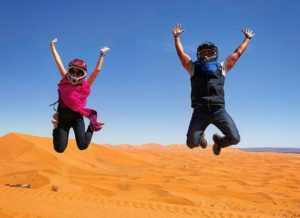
(144, 181)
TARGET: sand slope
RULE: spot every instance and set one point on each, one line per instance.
(144, 181)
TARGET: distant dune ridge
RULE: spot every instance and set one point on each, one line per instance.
(144, 181)
(274, 149)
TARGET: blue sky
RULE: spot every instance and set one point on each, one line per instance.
(142, 93)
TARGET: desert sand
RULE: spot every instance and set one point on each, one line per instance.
(144, 181)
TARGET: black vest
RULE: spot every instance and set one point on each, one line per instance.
(207, 87)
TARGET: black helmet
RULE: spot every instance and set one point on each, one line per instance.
(208, 45)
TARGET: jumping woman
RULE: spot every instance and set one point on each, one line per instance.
(73, 90)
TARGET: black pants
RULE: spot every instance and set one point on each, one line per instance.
(67, 119)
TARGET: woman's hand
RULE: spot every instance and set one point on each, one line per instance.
(53, 41)
(248, 33)
(104, 49)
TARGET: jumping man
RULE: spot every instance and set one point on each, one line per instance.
(207, 77)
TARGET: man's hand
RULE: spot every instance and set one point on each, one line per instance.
(104, 49)
(248, 33)
(177, 30)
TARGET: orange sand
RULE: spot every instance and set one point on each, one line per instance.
(144, 181)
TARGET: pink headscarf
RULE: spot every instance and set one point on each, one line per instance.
(74, 96)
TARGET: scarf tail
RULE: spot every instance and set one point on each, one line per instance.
(92, 116)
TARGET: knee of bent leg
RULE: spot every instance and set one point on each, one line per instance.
(82, 145)
(59, 149)
(192, 140)
(235, 139)
(191, 144)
